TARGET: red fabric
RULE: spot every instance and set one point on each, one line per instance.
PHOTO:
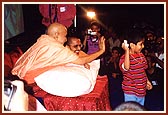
(10, 59)
(62, 13)
(97, 100)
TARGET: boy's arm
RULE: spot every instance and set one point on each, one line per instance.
(126, 60)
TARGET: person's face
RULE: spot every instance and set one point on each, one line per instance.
(95, 28)
(115, 53)
(139, 46)
(62, 36)
(75, 45)
(160, 43)
(150, 36)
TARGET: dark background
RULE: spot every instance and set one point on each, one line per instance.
(118, 15)
(121, 16)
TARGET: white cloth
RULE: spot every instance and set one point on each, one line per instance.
(70, 80)
(161, 57)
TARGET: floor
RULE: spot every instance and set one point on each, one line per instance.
(154, 100)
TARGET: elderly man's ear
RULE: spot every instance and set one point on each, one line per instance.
(56, 34)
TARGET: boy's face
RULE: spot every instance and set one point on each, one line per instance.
(139, 46)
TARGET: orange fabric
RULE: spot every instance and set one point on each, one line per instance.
(42, 56)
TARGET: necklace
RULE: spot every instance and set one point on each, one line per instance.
(140, 60)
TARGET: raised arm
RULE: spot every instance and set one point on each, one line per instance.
(91, 57)
(126, 60)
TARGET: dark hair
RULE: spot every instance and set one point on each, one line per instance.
(94, 23)
(130, 106)
(135, 35)
(117, 48)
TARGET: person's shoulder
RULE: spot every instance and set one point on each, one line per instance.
(122, 56)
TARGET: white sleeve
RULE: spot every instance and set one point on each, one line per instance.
(123, 67)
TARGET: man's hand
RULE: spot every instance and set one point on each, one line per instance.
(87, 66)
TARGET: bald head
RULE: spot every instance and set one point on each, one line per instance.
(58, 32)
(55, 27)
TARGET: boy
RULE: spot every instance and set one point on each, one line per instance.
(133, 65)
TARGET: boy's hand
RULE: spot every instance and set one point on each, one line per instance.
(149, 85)
(125, 45)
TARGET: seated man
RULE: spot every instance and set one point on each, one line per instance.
(48, 52)
(48, 55)
(75, 45)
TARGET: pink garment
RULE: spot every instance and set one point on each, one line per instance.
(61, 13)
(45, 54)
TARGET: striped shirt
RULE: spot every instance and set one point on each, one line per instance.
(134, 79)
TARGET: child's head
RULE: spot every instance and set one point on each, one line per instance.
(115, 52)
(130, 106)
(95, 26)
(135, 35)
(136, 40)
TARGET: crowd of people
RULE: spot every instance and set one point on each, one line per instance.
(131, 65)
(134, 63)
